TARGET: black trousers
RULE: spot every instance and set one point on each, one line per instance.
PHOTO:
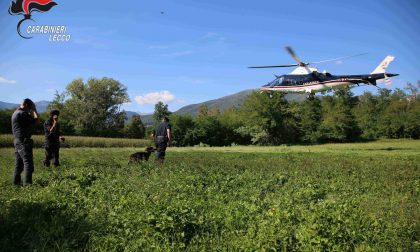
(24, 161)
(52, 151)
(161, 144)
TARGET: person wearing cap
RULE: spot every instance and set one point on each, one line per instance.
(23, 121)
(162, 138)
(52, 139)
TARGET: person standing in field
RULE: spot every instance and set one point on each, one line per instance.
(52, 139)
(162, 138)
(23, 121)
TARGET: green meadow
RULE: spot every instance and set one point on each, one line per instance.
(332, 197)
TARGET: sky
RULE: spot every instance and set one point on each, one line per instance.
(184, 52)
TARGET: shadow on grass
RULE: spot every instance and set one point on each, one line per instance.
(390, 149)
(42, 227)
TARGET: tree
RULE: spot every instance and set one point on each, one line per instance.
(5, 121)
(393, 120)
(208, 129)
(135, 128)
(366, 114)
(268, 120)
(181, 126)
(413, 90)
(231, 120)
(203, 111)
(161, 110)
(413, 119)
(310, 119)
(399, 114)
(94, 107)
(58, 103)
(338, 123)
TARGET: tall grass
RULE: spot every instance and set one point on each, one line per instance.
(358, 197)
(82, 141)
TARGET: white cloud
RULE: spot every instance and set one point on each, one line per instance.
(152, 98)
(6, 81)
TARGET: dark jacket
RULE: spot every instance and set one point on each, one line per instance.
(22, 124)
(53, 137)
(160, 133)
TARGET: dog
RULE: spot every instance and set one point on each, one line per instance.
(143, 155)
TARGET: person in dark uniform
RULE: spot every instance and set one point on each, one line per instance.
(23, 121)
(162, 137)
(52, 139)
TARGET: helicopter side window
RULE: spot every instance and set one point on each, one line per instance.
(272, 84)
(277, 82)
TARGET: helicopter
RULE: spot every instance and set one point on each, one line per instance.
(305, 79)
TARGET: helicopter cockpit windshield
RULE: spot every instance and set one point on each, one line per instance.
(276, 82)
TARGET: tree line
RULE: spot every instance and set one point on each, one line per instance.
(341, 117)
(93, 108)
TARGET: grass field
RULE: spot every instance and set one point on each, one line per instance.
(341, 197)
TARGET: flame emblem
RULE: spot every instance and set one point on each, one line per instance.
(26, 7)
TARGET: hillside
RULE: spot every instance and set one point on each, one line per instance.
(41, 105)
(222, 103)
(225, 102)
(7, 105)
(147, 119)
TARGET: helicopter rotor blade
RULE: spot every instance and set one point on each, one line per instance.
(303, 64)
(300, 63)
(294, 56)
(292, 65)
(340, 58)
